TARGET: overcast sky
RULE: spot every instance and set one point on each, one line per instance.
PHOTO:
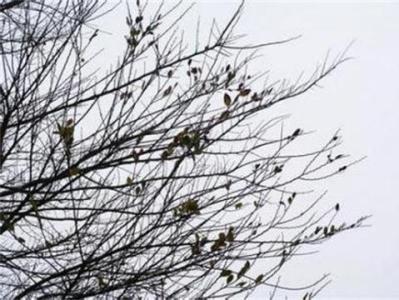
(361, 99)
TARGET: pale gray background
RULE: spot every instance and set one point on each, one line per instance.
(361, 98)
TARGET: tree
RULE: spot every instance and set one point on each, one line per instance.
(153, 179)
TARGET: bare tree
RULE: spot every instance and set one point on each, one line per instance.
(154, 179)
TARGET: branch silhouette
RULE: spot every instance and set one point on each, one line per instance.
(156, 178)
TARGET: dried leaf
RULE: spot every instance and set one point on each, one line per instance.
(224, 115)
(296, 132)
(225, 273)
(259, 278)
(230, 235)
(245, 92)
(244, 269)
(238, 205)
(167, 91)
(139, 19)
(227, 99)
(230, 278)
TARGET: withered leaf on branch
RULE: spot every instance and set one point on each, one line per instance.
(227, 99)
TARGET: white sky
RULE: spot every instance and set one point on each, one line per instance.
(361, 98)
